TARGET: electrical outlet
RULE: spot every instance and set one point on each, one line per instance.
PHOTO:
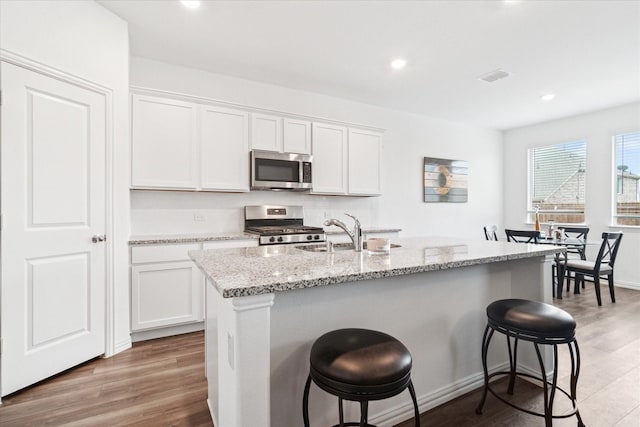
(198, 217)
(231, 351)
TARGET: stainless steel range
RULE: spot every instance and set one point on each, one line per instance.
(278, 225)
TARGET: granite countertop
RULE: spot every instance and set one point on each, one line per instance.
(152, 239)
(189, 238)
(266, 269)
(365, 230)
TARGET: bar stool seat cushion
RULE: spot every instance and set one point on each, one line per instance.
(532, 318)
(360, 361)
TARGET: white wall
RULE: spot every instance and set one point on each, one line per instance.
(83, 39)
(408, 138)
(597, 129)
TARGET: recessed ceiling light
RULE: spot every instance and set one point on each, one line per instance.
(398, 64)
(191, 4)
(548, 96)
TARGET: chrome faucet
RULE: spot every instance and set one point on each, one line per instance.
(355, 235)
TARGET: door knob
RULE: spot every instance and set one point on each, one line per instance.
(98, 238)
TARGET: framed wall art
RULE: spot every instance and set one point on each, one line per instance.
(445, 180)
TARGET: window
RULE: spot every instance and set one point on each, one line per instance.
(557, 182)
(627, 179)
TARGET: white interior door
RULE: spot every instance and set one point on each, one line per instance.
(53, 203)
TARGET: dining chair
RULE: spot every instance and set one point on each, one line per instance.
(602, 266)
(491, 232)
(522, 236)
(573, 251)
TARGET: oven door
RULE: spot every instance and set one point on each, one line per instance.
(280, 171)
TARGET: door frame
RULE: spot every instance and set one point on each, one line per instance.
(40, 68)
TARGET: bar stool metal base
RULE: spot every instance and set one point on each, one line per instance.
(362, 398)
(549, 392)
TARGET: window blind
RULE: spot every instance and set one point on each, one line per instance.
(557, 181)
(627, 179)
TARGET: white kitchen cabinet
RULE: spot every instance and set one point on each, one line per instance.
(296, 136)
(167, 289)
(282, 135)
(224, 157)
(346, 161)
(164, 143)
(330, 164)
(266, 132)
(364, 156)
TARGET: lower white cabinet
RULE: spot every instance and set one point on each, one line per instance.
(167, 289)
(166, 294)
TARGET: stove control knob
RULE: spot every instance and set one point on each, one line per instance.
(280, 239)
(316, 237)
(309, 237)
(272, 239)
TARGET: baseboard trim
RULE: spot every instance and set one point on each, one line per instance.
(403, 412)
(215, 421)
(121, 346)
(628, 285)
(166, 332)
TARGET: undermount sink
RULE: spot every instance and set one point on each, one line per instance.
(337, 247)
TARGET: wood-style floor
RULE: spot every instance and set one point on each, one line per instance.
(609, 383)
(161, 382)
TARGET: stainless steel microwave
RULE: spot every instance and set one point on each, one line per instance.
(280, 171)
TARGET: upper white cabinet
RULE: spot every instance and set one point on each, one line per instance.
(364, 162)
(203, 146)
(297, 136)
(224, 158)
(169, 136)
(346, 161)
(266, 132)
(329, 173)
(274, 133)
(164, 143)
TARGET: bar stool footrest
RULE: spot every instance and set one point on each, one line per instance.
(354, 424)
(538, 414)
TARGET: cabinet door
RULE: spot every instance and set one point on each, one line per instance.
(163, 148)
(364, 162)
(166, 294)
(329, 159)
(297, 136)
(266, 132)
(224, 156)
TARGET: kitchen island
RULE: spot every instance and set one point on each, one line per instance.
(266, 305)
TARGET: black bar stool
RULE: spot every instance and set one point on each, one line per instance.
(359, 365)
(538, 323)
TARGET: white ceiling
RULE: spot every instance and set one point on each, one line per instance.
(587, 52)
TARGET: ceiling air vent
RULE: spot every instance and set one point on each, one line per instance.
(493, 76)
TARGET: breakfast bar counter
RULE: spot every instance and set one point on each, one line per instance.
(266, 305)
